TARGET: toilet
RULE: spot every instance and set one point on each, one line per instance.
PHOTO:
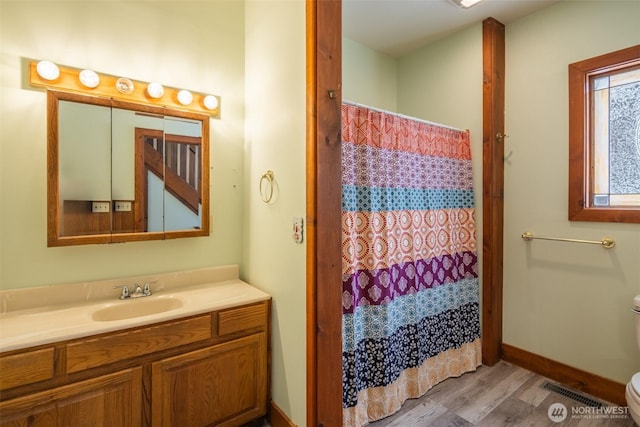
(633, 387)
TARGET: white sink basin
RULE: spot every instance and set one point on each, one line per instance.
(137, 307)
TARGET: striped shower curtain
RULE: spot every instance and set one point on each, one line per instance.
(410, 281)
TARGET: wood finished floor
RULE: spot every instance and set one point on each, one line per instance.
(502, 395)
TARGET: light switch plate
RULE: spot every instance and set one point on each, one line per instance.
(298, 229)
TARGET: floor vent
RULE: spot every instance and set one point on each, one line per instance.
(572, 395)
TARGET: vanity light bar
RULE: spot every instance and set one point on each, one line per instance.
(104, 85)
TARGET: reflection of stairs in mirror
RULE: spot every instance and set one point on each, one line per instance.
(180, 169)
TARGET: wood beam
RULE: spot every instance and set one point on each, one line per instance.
(493, 59)
(324, 261)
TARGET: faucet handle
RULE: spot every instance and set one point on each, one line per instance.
(147, 288)
(125, 291)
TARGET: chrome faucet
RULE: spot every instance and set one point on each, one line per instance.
(139, 291)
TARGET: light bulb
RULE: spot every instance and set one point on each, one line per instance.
(89, 78)
(210, 102)
(155, 90)
(185, 97)
(48, 70)
(124, 85)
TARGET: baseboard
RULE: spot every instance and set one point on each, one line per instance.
(577, 379)
(277, 418)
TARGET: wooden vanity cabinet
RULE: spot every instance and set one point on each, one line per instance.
(229, 380)
(109, 400)
(206, 370)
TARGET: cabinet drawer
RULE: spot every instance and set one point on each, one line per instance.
(238, 319)
(127, 345)
(26, 368)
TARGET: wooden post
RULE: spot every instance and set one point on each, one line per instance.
(493, 53)
(324, 261)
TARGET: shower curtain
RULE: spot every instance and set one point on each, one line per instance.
(410, 282)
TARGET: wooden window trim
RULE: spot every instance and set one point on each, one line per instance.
(579, 142)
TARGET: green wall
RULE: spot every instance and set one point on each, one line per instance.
(200, 47)
(250, 53)
(568, 302)
(275, 129)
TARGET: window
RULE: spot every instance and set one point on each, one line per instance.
(604, 138)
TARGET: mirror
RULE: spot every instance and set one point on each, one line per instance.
(120, 171)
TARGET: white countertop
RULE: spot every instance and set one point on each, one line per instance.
(23, 325)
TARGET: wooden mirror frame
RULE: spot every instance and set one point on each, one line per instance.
(53, 186)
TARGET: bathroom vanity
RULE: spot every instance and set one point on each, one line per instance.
(184, 365)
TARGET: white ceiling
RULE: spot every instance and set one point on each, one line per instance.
(397, 27)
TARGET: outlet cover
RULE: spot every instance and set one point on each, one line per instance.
(100, 206)
(123, 206)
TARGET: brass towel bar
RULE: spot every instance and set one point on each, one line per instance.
(607, 242)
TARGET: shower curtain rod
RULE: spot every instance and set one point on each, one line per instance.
(379, 110)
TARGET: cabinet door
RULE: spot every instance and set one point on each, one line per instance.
(109, 400)
(222, 385)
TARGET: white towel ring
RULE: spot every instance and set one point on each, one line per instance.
(268, 193)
